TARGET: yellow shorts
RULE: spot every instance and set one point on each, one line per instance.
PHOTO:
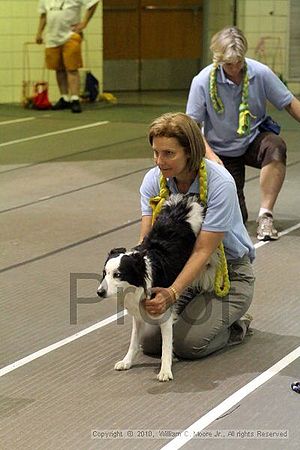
(66, 56)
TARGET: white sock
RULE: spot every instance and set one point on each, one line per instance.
(74, 97)
(263, 211)
(66, 98)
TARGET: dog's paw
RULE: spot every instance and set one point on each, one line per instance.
(165, 375)
(122, 365)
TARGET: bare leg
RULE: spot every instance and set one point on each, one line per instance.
(73, 82)
(62, 81)
(271, 180)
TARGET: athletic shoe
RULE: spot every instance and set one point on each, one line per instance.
(266, 230)
(75, 106)
(61, 104)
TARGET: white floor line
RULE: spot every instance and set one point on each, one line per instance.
(56, 345)
(26, 119)
(52, 133)
(231, 401)
(96, 326)
(236, 397)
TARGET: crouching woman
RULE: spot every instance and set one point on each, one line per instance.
(208, 321)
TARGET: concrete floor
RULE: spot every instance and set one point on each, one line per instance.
(69, 193)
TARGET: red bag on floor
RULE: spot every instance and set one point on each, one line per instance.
(40, 98)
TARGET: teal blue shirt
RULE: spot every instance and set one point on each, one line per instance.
(223, 213)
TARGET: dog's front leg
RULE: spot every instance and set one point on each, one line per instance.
(134, 347)
(165, 373)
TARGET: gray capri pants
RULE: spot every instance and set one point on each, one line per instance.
(207, 323)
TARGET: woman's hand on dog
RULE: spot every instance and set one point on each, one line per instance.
(160, 303)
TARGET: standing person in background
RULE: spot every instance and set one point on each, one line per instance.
(229, 98)
(63, 44)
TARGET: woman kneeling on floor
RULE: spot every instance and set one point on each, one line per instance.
(207, 322)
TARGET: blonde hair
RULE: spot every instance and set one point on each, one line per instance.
(183, 128)
(229, 46)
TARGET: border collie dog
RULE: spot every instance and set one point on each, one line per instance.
(156, 262)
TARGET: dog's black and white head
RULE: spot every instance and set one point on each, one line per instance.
(161, 255)
(122, 270)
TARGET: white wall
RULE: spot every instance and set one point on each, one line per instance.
(18, 25)
(268, 19)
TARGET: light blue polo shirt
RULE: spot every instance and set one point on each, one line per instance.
(223, 212)
(220, 130)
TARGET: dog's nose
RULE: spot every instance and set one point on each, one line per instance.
(101, 292)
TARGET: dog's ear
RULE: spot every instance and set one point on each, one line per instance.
(116, 251)
(139, 248)
(133, 269)
(113, 253)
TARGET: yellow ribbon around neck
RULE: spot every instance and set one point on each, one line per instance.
(222, 283)
(244, 126)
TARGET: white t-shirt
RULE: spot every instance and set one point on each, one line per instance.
(61, 15)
